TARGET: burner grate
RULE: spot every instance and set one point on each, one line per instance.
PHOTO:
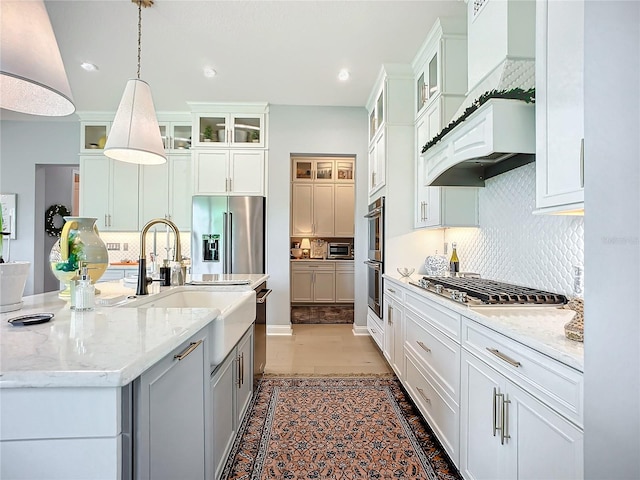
(492, 292)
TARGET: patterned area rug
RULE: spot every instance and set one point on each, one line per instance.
(335, 428)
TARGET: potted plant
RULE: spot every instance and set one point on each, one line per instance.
(255, 136)
(208, 133)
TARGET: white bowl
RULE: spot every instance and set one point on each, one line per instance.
(13, 277)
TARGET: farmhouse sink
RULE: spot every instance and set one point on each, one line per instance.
(234, 313)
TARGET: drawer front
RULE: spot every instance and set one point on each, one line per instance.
(313, 266)
(435, 352)
(344, 266)
(442, 318)
(442, 416)
(392, 291)
(376, 330)
(559, 386)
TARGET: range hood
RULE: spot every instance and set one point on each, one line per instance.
(500, 134)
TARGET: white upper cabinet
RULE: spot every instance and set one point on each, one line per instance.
(176, 135)
(165, 191)
(229, 125)
(560, 107)
(228, 172)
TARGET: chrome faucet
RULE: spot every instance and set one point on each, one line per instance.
(143, 280)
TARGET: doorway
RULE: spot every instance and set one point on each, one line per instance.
(322, 219)
(55, 185)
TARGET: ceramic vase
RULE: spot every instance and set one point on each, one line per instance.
(79, 244)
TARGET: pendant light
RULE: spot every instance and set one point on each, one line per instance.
(135, 135)
(32, 76)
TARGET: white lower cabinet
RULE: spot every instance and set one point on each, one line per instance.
(375, 328)
(393, 344)
(231, 388)
(169, 413)
(500, 409)
(507, 433)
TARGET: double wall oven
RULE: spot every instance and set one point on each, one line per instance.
(375, 257)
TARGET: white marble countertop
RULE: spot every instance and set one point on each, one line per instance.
(337, 260)
(107, 347)
(540, 328)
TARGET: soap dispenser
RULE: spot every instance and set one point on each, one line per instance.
(85, 292)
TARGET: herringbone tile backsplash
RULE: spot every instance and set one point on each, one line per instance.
(514, 245)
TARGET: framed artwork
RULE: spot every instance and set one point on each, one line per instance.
(8, 211)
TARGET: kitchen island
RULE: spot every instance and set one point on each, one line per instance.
(67, 387)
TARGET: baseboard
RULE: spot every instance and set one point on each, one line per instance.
(360, 330)
(279, 330)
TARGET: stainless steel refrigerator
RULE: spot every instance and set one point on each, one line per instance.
(227, 235)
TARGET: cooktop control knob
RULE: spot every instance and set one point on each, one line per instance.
(463, 297)
(438, 288)
(455, 294)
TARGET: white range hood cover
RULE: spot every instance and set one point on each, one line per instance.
(497, 137)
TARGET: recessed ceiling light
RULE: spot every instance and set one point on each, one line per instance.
(89, 67)
(344, 75)
(209, 72)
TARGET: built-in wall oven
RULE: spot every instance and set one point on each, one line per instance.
(375, 260)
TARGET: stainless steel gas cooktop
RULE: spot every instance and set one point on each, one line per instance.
(480, 291)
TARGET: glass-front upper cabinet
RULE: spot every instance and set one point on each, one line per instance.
(376, 116)
(246, 130)
(93, 136)
(313, 170)
(427, 85)
(175, 135)
(345, 171)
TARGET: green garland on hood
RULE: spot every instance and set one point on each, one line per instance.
(528, 96)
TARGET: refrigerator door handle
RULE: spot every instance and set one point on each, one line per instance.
(225, 234)
(230, 244)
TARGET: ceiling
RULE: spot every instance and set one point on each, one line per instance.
(281, 52)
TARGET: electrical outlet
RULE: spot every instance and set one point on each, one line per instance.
(113, 246)
(125, 246)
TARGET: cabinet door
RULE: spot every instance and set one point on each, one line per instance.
(345, 284)
(244, 379)
(541, 443)
(302, 170)
(324, 286)
(124, 196)
(247, 130)
(154, 192)
(302, 209)
(302, 285)
(482, 456)
(559, 105)
(223, 424)
(344, 210)
(377, 164)
(246, 173)
(211, 172)
(387, 319)
(180, 191)
(323, 210)
(170, 424)
(345, 171)
(94, 189)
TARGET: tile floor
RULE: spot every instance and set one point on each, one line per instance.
(324, 350)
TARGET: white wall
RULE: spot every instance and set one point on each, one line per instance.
(311, 130)
(612, 240)
(25, 145)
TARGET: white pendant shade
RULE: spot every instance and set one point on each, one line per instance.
(135, 135)
(32, 76)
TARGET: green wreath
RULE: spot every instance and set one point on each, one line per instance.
(52, 212)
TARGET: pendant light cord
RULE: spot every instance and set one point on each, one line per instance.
(139, 34)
